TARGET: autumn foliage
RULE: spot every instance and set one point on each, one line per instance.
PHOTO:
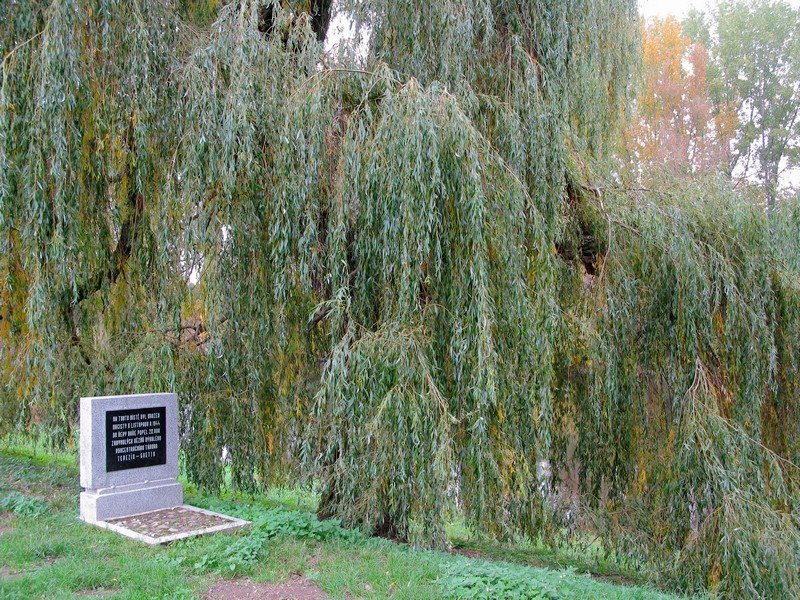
(676, 124)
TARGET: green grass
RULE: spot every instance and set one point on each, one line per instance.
(589, 558)
(46, 552)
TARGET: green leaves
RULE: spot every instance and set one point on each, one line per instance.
(413, 278)
(235, 554)
(480, 580)
(687, 362)
(20, 504)
(86, 117)
(416, 393)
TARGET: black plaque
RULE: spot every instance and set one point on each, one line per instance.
(136, 438)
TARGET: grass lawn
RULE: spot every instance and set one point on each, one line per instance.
(46, 552)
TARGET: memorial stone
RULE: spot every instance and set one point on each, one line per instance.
(129, 470)
(128, 455)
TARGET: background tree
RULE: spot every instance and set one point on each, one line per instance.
(675, 123)
(755, 53)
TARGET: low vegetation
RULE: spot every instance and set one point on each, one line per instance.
(45, 552)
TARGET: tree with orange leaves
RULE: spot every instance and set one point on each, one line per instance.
(675, 123)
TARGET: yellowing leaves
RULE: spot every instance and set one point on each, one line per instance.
(675, 123)
(641, 479)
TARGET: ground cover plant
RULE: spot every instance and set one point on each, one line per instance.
(51, 554)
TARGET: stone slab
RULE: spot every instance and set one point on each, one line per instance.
(111, 503)
(219, 523)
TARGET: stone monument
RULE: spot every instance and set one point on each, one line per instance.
(129, 455)
(129, 468)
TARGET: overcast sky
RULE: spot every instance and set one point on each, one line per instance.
(679, 8)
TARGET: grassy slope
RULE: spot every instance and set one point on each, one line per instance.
(45, 552)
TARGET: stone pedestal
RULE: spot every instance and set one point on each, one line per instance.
(124, 501)
(128, 455)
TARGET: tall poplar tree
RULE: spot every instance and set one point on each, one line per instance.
(755, 52)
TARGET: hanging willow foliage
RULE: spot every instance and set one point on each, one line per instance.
(414, 278)
(439, 261)
(250, 183)
(680, 377)
(88, 272)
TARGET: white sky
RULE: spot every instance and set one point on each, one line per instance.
(679, 8)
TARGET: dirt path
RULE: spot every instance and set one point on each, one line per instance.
(297, 588)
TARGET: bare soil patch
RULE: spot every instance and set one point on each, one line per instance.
(297, 588)
(8, 572)
(468, 553)
(99, 592)
(47, 561)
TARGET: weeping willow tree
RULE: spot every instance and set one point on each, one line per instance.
(431, 249)
(679, 388)
(89, 274)
(411, 278)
